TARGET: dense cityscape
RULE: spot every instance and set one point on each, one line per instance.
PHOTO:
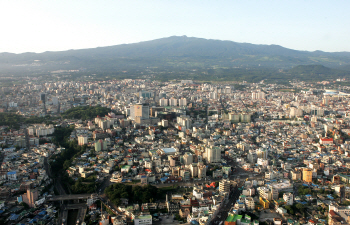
(139, 151)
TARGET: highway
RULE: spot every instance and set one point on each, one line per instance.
(64, 209)
(81, 210)
(57, 181)
(69, 197)
(81, 214)
(76, 206)
(64, 216)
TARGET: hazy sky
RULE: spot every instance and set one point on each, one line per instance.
(53, 25)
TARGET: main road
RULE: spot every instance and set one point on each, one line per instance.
(69, 197)
(226, 206)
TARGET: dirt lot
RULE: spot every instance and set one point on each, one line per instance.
(268, 215)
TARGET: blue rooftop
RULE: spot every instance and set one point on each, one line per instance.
(163, 178)
(13, 217)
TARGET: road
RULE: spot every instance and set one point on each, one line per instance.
(26, 136)
(64, 215)
(105, 183)
(226, 206)
(81, 210)
(109, 205)
(75, 206)
(63, 212)
(57, 181)
(81, 214)
(69, 197)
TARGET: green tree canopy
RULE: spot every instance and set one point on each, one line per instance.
(85, 112)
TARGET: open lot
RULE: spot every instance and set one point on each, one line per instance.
(166, 220)
(268, 215)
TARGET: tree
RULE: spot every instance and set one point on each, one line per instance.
(66, 164)
(85, 112)
(124, 195)
(289, 209)
(300, 207)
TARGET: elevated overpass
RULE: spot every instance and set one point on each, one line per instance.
(71, 197)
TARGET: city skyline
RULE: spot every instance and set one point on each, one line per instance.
(38, 26)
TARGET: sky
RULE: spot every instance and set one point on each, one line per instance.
(57, 25)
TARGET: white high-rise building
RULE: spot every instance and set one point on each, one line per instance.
(261, 95)
(254, 95)
(213, 154)
(165, 123)
(82, 140)
(213, 95)
(173, 102)
(182, 102)
(163, 102)
(294, 112)
(188, 158)
(249, 203)
(258, 95)
(202, 171)
(194, 170)
(314, 119)
(224, 186)
(228, 90)
(184, 121)
(139, 110)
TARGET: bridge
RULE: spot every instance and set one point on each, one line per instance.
(71, 197)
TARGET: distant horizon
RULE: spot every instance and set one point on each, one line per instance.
(165, 38)
(38, 26)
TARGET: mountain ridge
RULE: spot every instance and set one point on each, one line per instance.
(177, 37)
(172, 38)
(175, 52)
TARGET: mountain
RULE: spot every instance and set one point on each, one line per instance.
(176, 53)
(316, 72)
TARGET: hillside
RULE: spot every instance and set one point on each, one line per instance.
(169, 56)
(316, 72)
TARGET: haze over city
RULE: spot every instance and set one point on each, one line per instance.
(38, 26)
